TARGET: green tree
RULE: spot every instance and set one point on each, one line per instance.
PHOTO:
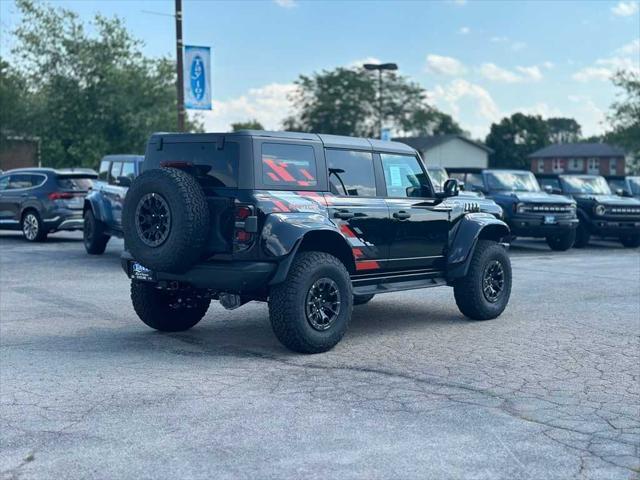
(344, 101)
(516, 137)
(247, 125)
(563, 130)
(625, 117)
(92, 93)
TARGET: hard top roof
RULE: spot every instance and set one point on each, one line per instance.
(329, 141)
(123, 157)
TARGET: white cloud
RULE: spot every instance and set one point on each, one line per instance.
(493, 72)
(631, 48)
(517, 46)
(449, 96)
(589, 115)
(286, 3)
(624, 58)
(444, 65)
(548, 65)
(464, 31)
(592, 73)
(625, 9)
(268, 104)
(460, 2)
(360, 62)
(499, 39)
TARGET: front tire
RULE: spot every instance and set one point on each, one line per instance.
(95, 240)
(563, 241)
(33, 228)
(310, 311)
(582, 236)
(484, 292)
(630, 241)
(166, 310)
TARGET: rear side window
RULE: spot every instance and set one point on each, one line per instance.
(288, 165)
(104, 170)
(17, 182)
(351, 173)
(128, 170)
(75, 183)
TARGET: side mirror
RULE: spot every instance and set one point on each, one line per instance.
(450, 188)
(124, 181)
(548, 188)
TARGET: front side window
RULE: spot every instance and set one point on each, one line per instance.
(634, 183)
(438, 177)
(550, 182)
(403, 175)
(116, 167)
(512, 181)
(351, 173)
(286, 165)
(592, 185)
(104, 170)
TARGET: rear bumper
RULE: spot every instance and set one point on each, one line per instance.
(526, 226)
(65, 220)
(234, 277)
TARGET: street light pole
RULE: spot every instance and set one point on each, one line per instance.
(380, 68)
(179, 66)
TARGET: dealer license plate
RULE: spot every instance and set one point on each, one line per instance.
(140, 272)
(549, 219)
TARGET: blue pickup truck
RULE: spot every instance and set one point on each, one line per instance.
(103, 205)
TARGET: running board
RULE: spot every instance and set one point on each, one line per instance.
(398, 286)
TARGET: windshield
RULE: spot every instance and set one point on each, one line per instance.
(592, 185)
(635, 185)
(438, 177)
(515, 181)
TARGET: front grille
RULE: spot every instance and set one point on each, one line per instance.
(546, 208)
(622, 210)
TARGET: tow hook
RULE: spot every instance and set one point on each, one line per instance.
(230, 301)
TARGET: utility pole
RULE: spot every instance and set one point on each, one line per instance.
(179, 66)
(380, 68)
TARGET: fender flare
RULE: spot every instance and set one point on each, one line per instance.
(93, 202)
(284, 234)
(464, 238)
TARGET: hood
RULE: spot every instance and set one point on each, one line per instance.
(613, 200)
(538, 197)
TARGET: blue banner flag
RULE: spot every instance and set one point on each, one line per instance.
(197, 77)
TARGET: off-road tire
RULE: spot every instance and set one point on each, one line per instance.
(630, 241)
(41, 231)
(582, 236)
(154, 307)
(362, 299)
(287, 303)
(563, 241)
(189, 220)
(95, 240)
(468, 291)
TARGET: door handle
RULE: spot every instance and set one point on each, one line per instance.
(344, 214)
(401, 215)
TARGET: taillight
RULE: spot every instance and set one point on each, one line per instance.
(61, 195)
(246, 224)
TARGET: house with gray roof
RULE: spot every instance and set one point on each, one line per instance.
(449, 150)
(590, 158)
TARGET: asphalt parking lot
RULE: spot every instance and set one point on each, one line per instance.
(549, 390)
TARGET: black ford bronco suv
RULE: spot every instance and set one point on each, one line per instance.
(311, 224)
(601, 213)
(528, 210)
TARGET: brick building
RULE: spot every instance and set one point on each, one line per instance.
(591, 158)
(19, 152)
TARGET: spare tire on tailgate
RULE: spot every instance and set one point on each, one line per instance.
(166, 220)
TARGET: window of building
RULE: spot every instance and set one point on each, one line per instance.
(403, 175)
(557, 165)
(288, 165)
(540, 166)
(351, 173)
(593, 165)
(613, 166)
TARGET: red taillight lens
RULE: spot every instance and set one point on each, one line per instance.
(60, 195)
(243, 212)
(242, 236)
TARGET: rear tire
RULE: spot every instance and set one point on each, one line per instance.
(563, 241)
(630, 241)
(582, 236)
(299, 305)
(362, 299)
(166, 310)
(166, 220)
(33, 228)
(95, 240)
(484, 292)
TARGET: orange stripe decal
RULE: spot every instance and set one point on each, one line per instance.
(344, 228)
(357, 253)
(307, 175)
(282, 172)
(367, 265)
(281, 206)
(273, 176)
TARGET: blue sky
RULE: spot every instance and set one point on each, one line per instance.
(479, 60)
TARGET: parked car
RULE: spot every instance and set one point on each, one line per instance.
(600, 212)
(102, 208)
(528, 210)
(628, 186)
(311, 224)
(40, 201)
(439, 176)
